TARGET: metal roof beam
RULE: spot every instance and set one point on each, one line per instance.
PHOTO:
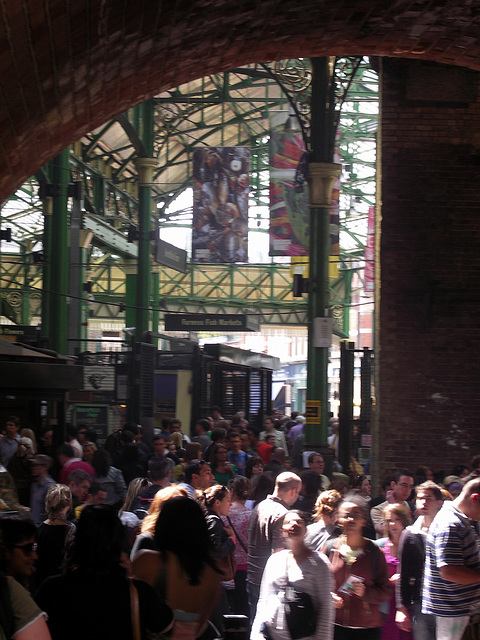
(109, 237)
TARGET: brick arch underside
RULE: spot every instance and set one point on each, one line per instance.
(68, 66)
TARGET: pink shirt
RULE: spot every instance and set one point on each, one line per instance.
(239, 519)
(70, 465)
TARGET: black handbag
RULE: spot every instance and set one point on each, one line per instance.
(300, 613)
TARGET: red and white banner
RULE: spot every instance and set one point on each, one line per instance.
(369, 279)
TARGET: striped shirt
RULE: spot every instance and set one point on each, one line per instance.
(451, 540)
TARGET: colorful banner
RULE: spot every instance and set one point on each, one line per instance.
(369, 277)
(220, 204)
(289, 201)
(335, 207)
(289, 211)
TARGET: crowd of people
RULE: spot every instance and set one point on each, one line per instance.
(119, 539)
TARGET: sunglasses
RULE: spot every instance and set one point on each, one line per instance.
(27, 549)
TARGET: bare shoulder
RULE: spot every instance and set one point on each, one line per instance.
(146, 565)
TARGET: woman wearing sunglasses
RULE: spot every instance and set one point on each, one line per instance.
(20, 617)
(19, 549)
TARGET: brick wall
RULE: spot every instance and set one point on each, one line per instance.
(428, 351)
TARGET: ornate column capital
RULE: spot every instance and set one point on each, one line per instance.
(145, 167)
(321, 178)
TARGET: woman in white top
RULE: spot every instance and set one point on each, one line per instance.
(296, 569)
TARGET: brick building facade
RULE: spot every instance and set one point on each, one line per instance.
(428, 310)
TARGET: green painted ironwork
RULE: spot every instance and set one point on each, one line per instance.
(227, 108)
(59, 254)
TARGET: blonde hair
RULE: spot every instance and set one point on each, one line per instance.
(446, 495)
(136, 486)
(58, 497)
(149, 522)
(177, 439)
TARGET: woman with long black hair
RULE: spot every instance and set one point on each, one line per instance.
(183, 572)
(95, 599)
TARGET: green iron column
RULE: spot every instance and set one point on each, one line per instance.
(26, 289)
(58, 254)
(85, 240)
(47, 261)
(130, 270)
(322, 175)
(156, 302)
(75, 279)
(145, 167)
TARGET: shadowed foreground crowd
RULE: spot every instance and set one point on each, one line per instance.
(211, 527)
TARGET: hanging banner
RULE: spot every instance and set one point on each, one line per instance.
(289, 201)
(335, 206)
(369, 277)
(220, 204)
(289, 210)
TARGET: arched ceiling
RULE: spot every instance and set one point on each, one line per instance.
(67, 66)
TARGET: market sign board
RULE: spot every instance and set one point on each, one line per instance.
(212, 322)
(171, 256)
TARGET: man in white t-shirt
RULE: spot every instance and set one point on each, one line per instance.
(400, 490)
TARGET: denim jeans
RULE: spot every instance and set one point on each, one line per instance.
(423, 624)
(253, 591)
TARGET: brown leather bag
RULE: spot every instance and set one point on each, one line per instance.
(228, 565)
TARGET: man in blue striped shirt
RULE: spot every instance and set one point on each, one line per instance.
(452, 566)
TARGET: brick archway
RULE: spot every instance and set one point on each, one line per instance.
(67, 67)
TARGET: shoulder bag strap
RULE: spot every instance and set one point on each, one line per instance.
(374, 557)
(134, 611)
(242, 544)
